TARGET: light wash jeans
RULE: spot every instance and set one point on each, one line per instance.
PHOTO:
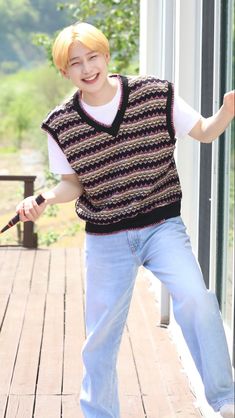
(112, 262)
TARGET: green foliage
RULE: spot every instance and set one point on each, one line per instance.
(8, 150)
(26, 97)
(20, 117)
(51, 179)
(74, 229)
(118, 19)
(52, 211)
(48, 238)
(16, 11)
(19, 20)
(51, 237)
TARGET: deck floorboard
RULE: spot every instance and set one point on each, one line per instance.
(42, 332)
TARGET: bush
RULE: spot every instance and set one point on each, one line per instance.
(26, 98)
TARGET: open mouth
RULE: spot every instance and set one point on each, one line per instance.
(91, 80)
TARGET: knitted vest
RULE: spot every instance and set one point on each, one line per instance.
(127, 169)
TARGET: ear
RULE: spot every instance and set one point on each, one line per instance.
(107, 57)
(64, 73)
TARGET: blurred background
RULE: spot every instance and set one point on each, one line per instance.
(30, 87)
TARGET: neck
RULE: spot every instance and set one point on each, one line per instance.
(102, 96)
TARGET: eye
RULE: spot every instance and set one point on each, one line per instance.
(74, 64)
(93, 56)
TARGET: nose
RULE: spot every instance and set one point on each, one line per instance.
(85, 67)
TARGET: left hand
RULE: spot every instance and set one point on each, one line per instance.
(229, 102)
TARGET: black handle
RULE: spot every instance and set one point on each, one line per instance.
(39, 199)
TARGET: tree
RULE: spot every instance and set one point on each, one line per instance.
(118, 19)
(19, 21)
(13, 17)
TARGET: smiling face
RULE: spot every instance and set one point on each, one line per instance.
(87, 70)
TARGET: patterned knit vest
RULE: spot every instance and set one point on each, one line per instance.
(127, 169)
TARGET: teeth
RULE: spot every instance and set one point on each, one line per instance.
(91, 78)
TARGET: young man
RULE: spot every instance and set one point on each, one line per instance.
(113, 144)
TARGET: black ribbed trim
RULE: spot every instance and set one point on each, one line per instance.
(114, 127)
(139, 221)
(169, 111)
(50, 131)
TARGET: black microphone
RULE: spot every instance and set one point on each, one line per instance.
(39, 199)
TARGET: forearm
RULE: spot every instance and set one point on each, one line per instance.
(67, 190)
(214, 126)
(207, 129)
(63, 192)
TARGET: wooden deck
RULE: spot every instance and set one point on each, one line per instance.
(41, 336)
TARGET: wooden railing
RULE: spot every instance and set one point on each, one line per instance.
(29, 236)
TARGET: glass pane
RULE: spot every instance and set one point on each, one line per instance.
(228, 286)
(228, 291)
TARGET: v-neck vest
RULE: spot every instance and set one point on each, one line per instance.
(127, 169)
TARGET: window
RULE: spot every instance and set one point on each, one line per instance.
(226, 166)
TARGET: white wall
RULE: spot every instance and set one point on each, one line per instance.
(188, 86)
(170, 39)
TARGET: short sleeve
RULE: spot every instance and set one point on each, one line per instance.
(58, 163)
(184, 117)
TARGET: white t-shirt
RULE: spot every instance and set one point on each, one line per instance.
(184, 119)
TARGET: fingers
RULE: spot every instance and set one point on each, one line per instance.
(23, 217)
(29, 210)
(229, 102)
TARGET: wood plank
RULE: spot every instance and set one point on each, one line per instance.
(3, 403)
(8, 270)
(129, 391)
(9, 338)
(3, 306)
(40, 273)
(57, 271)
(3, 251)
(47, 406)
(71, 407)
(73, 270)
(175, 381)
(26, 368)
(20, 406)
(74, 339)
(51, 361)
(23, 274)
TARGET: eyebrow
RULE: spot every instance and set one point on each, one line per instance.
(79, 57)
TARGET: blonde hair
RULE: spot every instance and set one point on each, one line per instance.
(83, 32)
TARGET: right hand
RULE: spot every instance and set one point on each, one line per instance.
(29, 210)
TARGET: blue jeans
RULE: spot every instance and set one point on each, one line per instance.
(112, 263)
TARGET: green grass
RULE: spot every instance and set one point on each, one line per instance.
(11, 149)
